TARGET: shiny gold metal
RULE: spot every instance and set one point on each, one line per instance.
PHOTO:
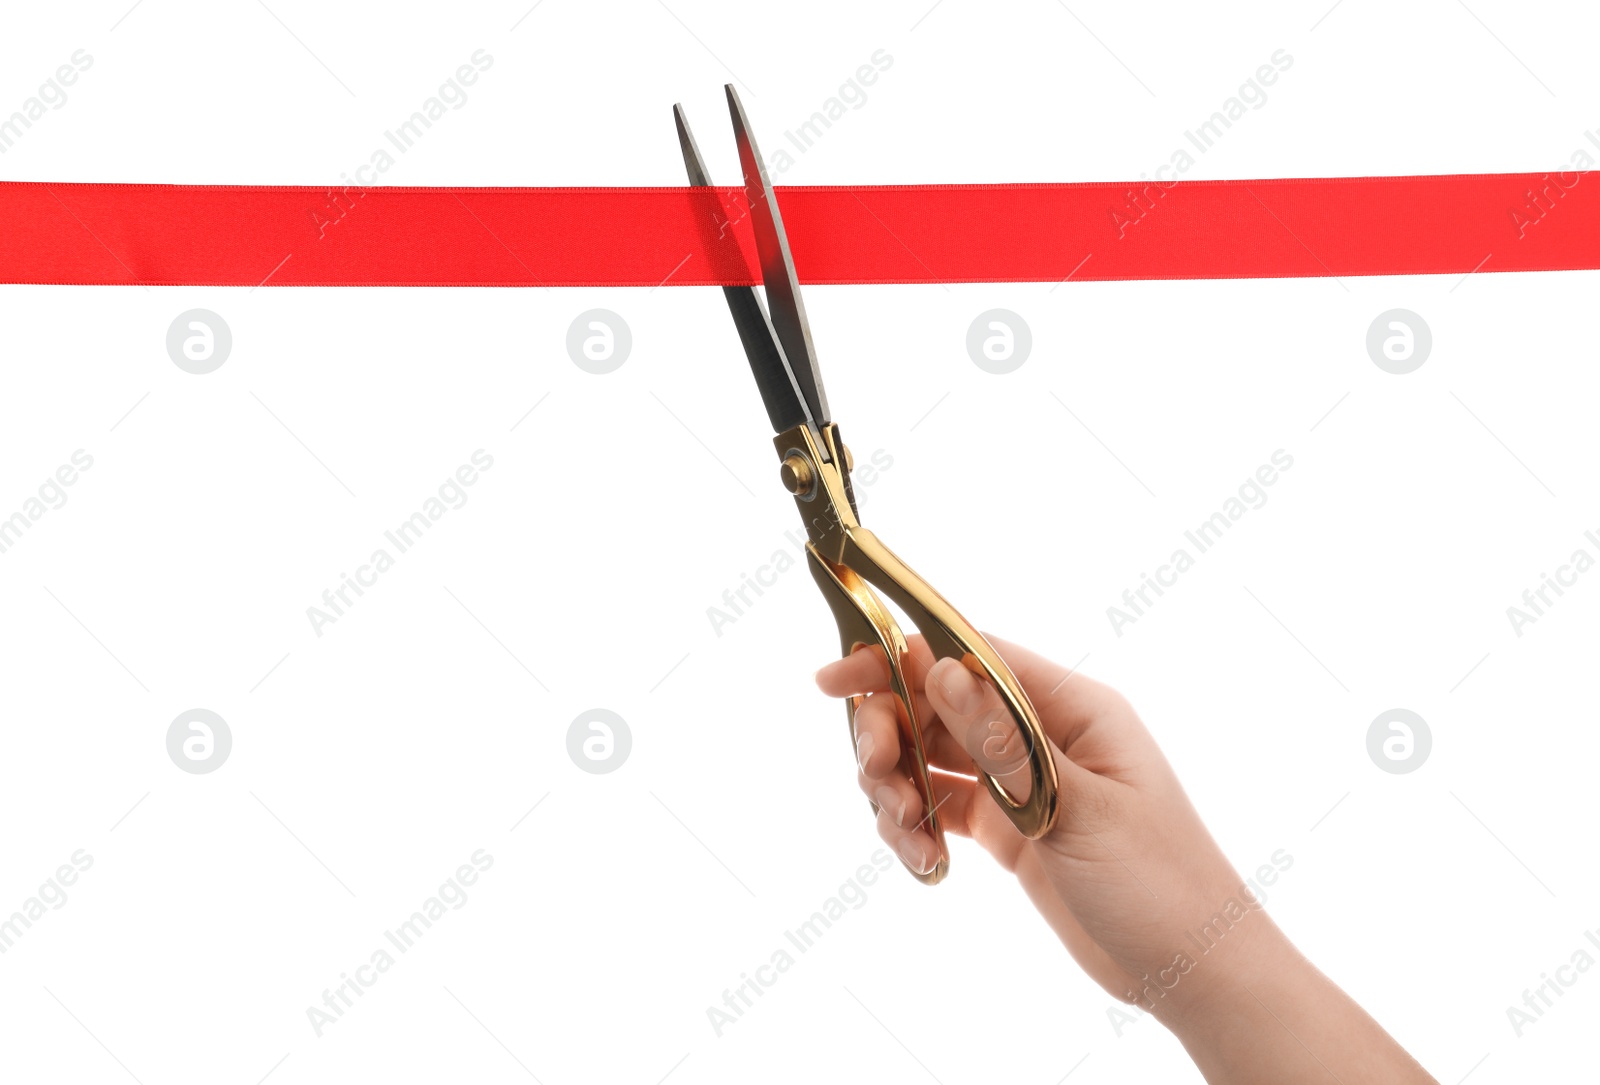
(839, 545)
(849, 460)
(796, 474)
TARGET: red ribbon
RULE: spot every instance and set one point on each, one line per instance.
(118, 234)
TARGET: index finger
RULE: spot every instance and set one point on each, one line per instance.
(868, 671)
(1066, 699)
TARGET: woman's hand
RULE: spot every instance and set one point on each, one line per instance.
(1129, 878)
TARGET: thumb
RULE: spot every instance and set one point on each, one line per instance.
(971, 710)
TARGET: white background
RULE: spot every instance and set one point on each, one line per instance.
(368, 763)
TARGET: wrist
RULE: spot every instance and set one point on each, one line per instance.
(1213, 965)
(1232, 977)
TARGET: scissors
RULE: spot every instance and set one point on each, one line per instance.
(844, 557)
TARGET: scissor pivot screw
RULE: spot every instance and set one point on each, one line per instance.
(797, 475)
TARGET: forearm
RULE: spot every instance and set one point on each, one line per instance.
(1267, 1015)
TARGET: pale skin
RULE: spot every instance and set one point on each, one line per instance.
(1125, 874)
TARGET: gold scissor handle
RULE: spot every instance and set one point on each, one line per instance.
(815, 471)
(864, 622)
(950, 635)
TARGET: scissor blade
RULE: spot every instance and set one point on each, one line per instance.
(692, 161)
(785, 403)
(777, 266)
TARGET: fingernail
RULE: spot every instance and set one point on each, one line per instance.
(889, 799)
(863, 749)
(959, 686)
(911, 853)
